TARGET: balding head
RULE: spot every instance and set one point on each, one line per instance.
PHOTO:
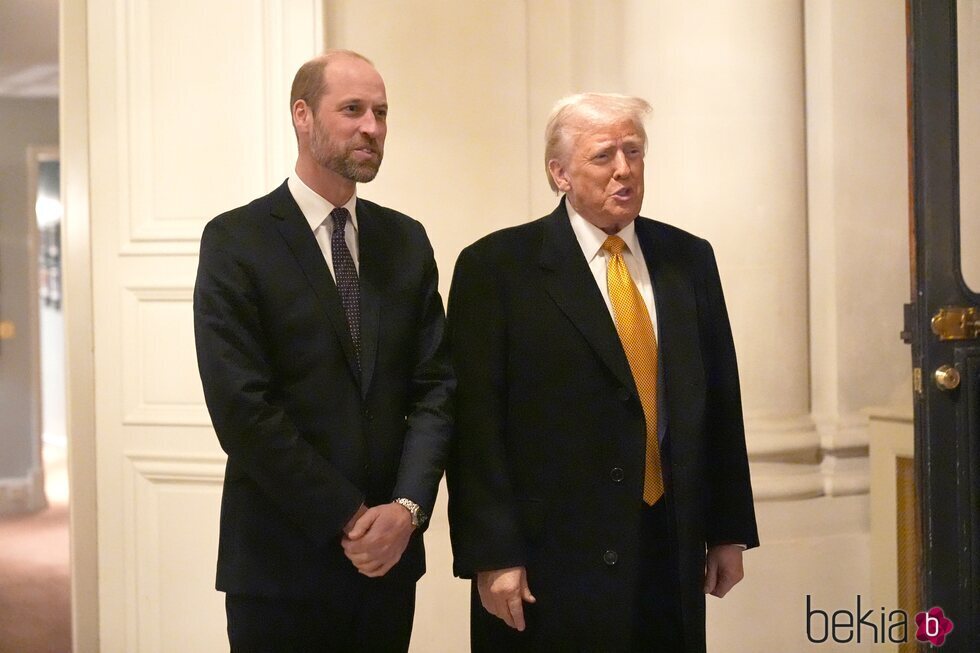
(310, 82)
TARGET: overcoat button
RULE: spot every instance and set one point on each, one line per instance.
(616, 474)
(610, 558)
(624, 394)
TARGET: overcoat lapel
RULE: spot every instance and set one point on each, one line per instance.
(295, 230)
(372, 245)
(571, 285)
(677, 314)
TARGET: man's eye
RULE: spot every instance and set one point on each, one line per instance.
(381, 114)
(351, 108)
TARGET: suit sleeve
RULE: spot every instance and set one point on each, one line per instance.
(430, 424)
(483, 519)
(731, 515)
(240, 391)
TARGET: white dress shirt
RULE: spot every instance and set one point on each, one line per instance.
(317, 210)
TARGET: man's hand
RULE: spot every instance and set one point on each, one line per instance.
(503, 592)
(353, 520)
(723, 569)
(378, 538)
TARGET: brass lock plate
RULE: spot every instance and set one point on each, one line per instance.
(957, 323)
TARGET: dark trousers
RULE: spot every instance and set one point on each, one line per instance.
(657, 624)
(372, 616)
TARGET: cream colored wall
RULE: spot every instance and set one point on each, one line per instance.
(738, 134)
(857, 226)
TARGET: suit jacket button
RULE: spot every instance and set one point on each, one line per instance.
(610, 558)
(624, 394)
(617, 474)
(367, 415)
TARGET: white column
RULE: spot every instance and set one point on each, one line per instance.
(858, 225)
(727, 161)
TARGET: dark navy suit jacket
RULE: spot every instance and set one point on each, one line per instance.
(309, 434)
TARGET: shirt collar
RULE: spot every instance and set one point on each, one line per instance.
(315, 208)
(590, 237)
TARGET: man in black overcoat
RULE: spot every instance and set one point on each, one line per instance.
(599, 482)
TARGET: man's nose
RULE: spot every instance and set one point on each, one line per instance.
(622, 165)
(369, 124)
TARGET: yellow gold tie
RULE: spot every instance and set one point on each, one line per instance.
(640, 344)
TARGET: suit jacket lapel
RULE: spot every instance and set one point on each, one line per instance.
(572, 286)
(371, 241)
(295, 230)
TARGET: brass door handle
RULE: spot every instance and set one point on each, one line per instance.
(947, 377)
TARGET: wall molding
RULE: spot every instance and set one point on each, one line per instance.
(139, 409)
(803, 457)
(152, 479)
(781, 437)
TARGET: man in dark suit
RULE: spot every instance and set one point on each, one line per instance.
(599, 482)
(320, 344)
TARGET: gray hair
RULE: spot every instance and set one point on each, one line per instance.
(575, 114)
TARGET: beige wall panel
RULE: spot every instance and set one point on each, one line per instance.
(206, 120)
(456, 77)
(176, 115)
(171, 544)
(161, 384)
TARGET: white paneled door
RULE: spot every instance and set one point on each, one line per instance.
(187, 118)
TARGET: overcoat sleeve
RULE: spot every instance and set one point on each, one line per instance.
(731, 516)
(484, 526)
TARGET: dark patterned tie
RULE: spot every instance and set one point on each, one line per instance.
(346, 276)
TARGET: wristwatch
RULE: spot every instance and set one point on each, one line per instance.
(418, 515)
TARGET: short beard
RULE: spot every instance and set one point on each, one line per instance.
(342, 162)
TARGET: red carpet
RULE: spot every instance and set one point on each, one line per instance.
(35, 612)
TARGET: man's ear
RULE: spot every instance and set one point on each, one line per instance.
(302, 116)
(559, 175)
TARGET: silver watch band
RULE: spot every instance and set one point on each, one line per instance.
(418, 515)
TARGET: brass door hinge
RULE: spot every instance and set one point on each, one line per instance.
(956, 323)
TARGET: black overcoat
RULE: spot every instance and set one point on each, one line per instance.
(547, 409)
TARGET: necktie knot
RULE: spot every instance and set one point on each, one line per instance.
(614, 245)
(339, 216)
